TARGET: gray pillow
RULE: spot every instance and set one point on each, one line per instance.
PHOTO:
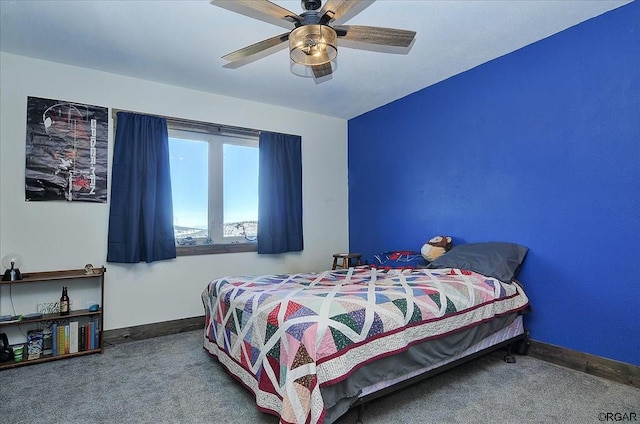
(500, 260)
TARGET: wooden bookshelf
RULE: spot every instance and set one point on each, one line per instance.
(74, 315)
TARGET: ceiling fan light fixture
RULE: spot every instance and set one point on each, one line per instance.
(313, 44)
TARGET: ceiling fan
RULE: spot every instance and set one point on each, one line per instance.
(312, 41)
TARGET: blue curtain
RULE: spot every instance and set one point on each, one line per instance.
(141, 214)
(280, 193)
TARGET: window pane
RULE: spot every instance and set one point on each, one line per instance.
(240, 190)
(189, 186)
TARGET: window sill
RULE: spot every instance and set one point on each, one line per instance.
(213, 249)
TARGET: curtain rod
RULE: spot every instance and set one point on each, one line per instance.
(198, 126)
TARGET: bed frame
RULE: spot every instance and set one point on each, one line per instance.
(517, 344)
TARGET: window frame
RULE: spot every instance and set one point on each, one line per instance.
(214, 135)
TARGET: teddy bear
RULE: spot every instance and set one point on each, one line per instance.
(436, 247)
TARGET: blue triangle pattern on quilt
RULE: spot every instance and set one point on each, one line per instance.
(381, 298)
(255, 354)
(377, 327)
(297, 330)
(303, 311)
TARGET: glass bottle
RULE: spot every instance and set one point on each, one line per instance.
(64, 302)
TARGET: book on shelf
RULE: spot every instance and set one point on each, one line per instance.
(96, 332)
(89, 336)
(61, 339)
(54, 339)
(66, 338)
(73, 337)
(82, 339)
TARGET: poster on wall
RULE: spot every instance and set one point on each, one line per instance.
(66, 151)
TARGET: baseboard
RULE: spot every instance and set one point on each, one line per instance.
(141, 332)
(620, 372)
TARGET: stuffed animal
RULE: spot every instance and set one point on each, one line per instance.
(436, 247)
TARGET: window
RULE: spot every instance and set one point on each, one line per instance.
(214, 184)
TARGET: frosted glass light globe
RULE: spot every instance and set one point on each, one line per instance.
(12, 263)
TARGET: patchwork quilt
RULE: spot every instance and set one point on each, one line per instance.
(285, 336)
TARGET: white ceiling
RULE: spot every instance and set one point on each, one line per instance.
(181, 43)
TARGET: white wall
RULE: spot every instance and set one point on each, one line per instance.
(59, 235)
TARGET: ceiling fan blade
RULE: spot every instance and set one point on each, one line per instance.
(321, 70)
(264, 7)
(376, 35)
(256, 48)
(334, 9)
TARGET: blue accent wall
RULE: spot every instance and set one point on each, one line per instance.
(540, 147)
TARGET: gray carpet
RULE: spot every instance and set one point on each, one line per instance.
(173, 380)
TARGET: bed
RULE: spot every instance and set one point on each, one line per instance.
(310, 346)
